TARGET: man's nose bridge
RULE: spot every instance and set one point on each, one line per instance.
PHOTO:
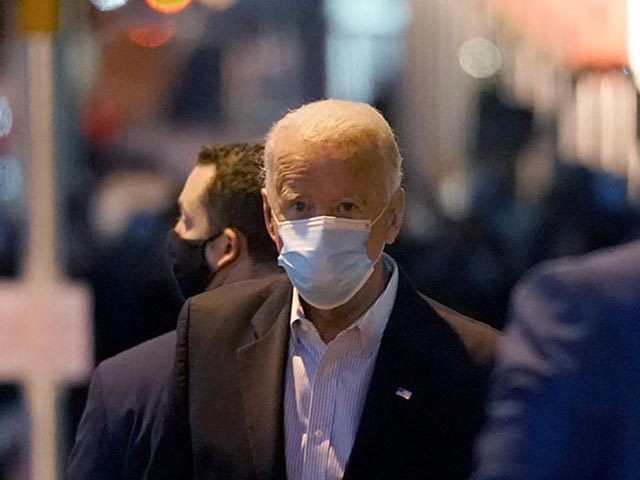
(179, 227)
(324, 210)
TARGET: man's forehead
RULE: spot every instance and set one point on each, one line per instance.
(197, 182)
(327, 176)
(328, 164)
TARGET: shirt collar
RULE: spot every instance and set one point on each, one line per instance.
(371, 323)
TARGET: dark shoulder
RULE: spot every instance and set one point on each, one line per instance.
(138, 371)
(606, 275)
(446, 331)
(480, 339)
(224, 295)
(236, 300)
(130, 386)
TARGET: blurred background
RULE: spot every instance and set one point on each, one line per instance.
(517, 120)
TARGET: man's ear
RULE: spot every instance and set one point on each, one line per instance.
(396, 214)
(223, 250)
(269, 219)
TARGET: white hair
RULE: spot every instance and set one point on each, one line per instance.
(342, 128)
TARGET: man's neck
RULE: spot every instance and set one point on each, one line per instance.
(242, 271)
(330, 323)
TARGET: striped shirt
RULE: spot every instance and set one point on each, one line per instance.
(326, 386)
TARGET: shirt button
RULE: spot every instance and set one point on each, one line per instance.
(318, 433)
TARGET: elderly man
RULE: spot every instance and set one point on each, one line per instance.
(566, 396)
(343, 370)
(219, 239)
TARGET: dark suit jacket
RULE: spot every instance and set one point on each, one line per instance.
(224, 416)
(112, 441)
(566, 399)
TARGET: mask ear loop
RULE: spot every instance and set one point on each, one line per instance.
(203, 245)
(384, 209)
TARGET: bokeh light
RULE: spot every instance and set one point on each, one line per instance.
(100, 120)
(168, 6)
(152, 35)
(108, 5)
(10, 178)
(6, 117)
(480, 57)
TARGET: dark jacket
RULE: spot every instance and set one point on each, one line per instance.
(224, 416)
(112, 441)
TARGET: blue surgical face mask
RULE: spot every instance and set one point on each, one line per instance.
(326, 258)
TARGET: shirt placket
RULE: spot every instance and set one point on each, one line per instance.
(322, 411)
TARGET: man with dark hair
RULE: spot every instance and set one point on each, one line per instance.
(219, 239)
(232, 199)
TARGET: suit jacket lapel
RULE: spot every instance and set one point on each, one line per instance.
(262, 365)
(414, 355)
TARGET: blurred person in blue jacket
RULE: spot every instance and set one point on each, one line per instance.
(566, 390)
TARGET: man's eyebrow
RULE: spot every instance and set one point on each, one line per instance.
(355, 199)
(289, 195)
(293, 156)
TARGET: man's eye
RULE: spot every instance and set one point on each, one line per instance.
(299, 207)
(347, 207)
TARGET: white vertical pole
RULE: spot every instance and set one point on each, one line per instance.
(42, 396)
(41, 262)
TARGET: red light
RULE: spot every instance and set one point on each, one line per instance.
(100, 121)
(151, 36)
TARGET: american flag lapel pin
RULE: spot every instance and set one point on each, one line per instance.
(404, 393)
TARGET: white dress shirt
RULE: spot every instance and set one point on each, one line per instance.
(326, 386)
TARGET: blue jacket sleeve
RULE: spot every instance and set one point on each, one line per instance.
(547, 401)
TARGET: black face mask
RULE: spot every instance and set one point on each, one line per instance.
(189, 264)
